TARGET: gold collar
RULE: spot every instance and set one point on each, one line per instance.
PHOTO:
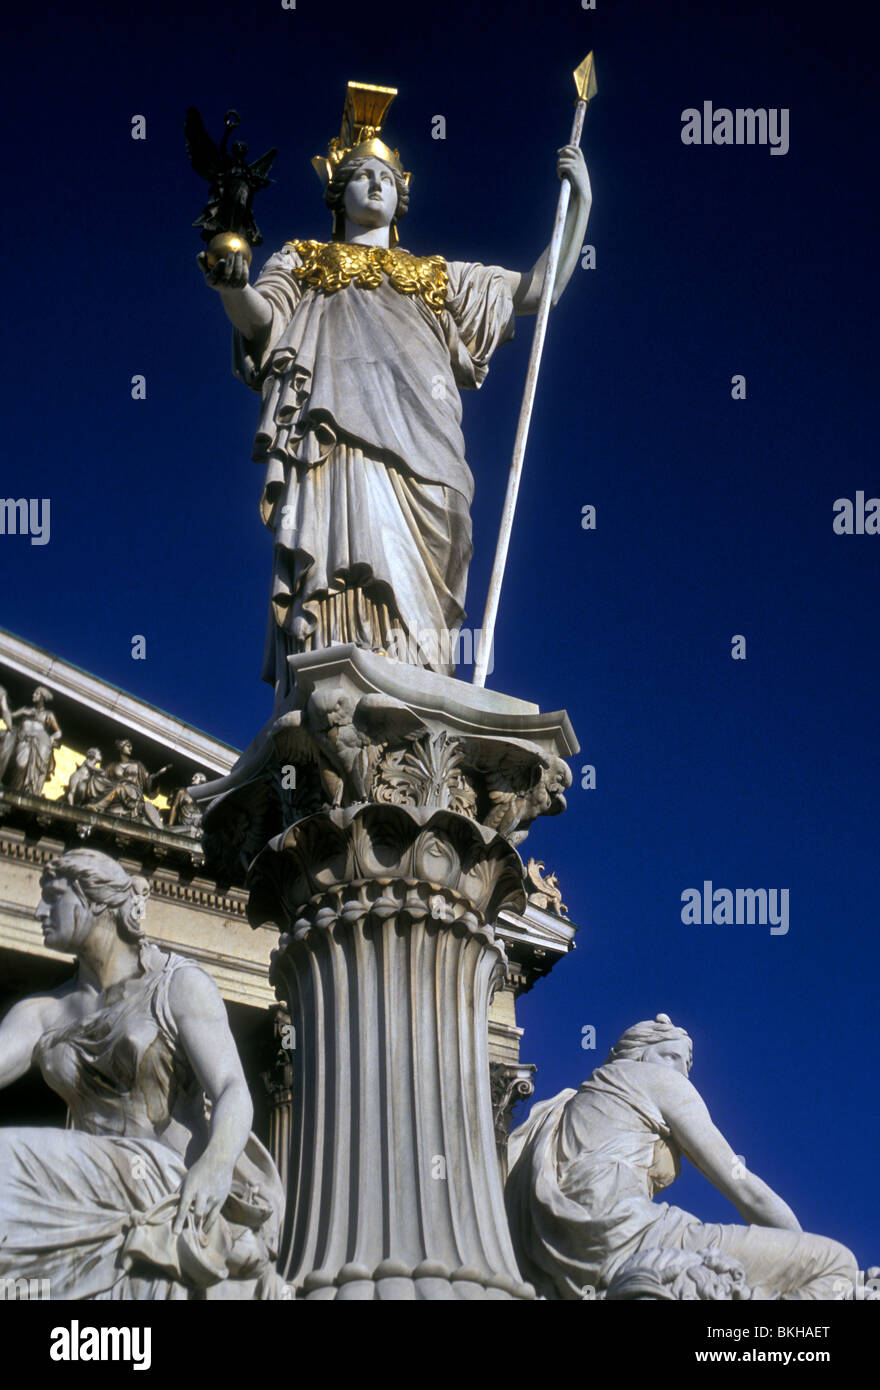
(332, 265)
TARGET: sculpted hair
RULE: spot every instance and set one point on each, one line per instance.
(103, 884)
(632, 1044)
(334, 193)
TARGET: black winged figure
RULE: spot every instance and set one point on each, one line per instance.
(233, 181)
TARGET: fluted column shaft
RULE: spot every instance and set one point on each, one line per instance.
(394, 1189)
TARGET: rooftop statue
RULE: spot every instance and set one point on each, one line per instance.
(359, 350)
(27, 746)
(122, 788)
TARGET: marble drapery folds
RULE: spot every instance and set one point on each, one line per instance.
(584, 1169)
(367, 490)
(90, 1209)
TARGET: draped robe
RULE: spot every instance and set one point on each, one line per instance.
(367, 490)
(584, 1170)
(90, 1209)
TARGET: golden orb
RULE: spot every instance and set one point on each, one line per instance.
(226, 244)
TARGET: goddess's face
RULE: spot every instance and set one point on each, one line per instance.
(676, 1052)
(370, 198)
(64, 917)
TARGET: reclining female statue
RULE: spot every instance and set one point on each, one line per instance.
(159, 1190)
(585, 1166)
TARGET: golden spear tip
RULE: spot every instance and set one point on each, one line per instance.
(585, 79)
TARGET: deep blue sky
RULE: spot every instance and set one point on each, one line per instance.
(714, 515)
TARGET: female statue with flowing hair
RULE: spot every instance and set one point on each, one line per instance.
(586, 1165)
(158, 1190)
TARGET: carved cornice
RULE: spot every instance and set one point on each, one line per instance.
(535, 940)
(209, 899)
(39, 853)
(69, 821)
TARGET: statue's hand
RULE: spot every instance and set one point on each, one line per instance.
(203, 1192)
(231, 273)
(570, 165)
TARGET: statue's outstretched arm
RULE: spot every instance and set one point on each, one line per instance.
(527, 287)
(20, 1032)
(204, 1031)
(245, 307)
(703, 1143)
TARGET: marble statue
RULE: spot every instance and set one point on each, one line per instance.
(184, 815)
(27, 747)
(124, 786)
(585, 1167)
(158, 1190)
(87, 782)
(359, 350)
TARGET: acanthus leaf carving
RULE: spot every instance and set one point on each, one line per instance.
(427, 772)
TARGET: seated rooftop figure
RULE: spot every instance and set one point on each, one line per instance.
(159, 1190)
(586, 1165)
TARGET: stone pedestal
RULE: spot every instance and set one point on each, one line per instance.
(392, 800)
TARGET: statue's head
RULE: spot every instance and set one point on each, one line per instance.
(78, 889)
(41, 696)
(657, 1040)
(369, 192)
(199, 779)
(93, 756)
(123, 747)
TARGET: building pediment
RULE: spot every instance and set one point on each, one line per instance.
(90, 713)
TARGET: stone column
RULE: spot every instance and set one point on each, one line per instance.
(387, 962)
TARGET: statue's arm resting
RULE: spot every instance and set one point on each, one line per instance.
(204, 1031)
(20, 1032)
(704, 1144)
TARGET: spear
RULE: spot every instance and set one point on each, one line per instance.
(585, 83)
